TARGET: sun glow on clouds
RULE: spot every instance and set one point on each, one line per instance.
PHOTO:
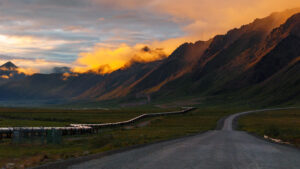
(14, 40)
(4, 77)
(107, 59)
(108, 35)
(66, 76)
(26, 71)
(30, 67)
(25, 42)
(21, 45)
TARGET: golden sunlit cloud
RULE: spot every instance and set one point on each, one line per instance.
(107, 59)
(4, 77)
(27, 71)
(66, 76)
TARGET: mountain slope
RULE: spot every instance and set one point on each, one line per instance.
(8, 66)
(221, 69)
(48, 86)
(244, 64)
(9, 71)
(205, 59)
(258, 62)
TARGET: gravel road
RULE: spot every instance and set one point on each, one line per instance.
(219, 149)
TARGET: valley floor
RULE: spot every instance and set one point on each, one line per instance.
(283, 124)
(147, 131)
(279, 124)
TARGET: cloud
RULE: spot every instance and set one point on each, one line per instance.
(108, 59)
(31, 66)
(27, 71)
(206, 18)
(76, 32)
(59, 31)
(66, 76)
(4, 77)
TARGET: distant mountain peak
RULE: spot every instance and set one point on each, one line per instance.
(8, 66)
(61, 70)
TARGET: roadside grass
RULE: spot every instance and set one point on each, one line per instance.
(157, 129)
(279, 124)
(22, 117)
(6, 122)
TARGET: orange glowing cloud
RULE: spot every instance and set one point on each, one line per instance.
(4, 77)
(66, 76)
(27, 71)
(107, 59)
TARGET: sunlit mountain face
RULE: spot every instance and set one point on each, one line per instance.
(258, 61)
(98, 50)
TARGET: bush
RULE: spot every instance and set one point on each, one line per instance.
(272, 131)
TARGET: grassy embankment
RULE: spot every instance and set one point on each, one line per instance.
(279, 124)
(146, 131)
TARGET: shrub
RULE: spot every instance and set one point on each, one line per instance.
(272, 131)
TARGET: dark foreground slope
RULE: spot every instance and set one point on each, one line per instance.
(258, 62)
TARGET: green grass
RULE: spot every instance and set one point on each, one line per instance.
(159, 128)
(279, 124)
(17, 117)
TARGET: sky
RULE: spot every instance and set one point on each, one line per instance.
(86, 34)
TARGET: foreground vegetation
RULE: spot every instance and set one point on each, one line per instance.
(22, 117)
(146, 131)
(280, 124)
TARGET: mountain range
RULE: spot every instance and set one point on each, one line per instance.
(9, 71)
(258, 62)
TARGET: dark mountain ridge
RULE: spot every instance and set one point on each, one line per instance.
(9, 71)
(258, 62)
(8, 66)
